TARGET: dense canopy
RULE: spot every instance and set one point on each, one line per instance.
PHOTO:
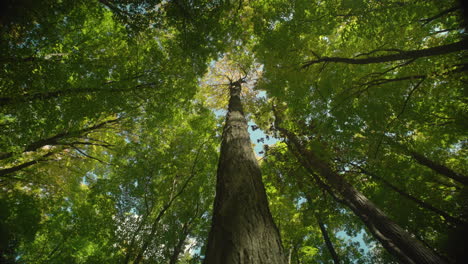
(112, 116)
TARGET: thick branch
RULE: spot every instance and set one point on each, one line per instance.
(441, 14)
(404, 55)
(325, 234)
(54, 140)
(326, 237)
(394, 238)
(179, 246)
(4, 172)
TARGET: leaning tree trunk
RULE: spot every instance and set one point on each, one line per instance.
(242, 229)
(396, 240)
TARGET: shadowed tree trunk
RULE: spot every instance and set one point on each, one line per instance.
(242, 229)
(396, 240)
(178, 248)
(327, 240)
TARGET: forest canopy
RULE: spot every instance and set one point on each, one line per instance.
(123, 131)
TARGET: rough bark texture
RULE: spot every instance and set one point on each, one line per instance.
(393, 238)
(242, 230)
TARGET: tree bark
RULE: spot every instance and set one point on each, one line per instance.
(242, 229)
(393, 238)
(403, 55)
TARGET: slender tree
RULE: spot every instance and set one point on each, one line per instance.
(325, 235)
(327, 240)
(242, 229)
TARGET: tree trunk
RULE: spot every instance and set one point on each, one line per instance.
(439, 168)
(323, 230)
(327, 240)
(242, 229)
(180, 243)
(393, 238)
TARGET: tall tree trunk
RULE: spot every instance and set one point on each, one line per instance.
(242, 229)
(394, 239)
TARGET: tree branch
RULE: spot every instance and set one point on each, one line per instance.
(54, 139)
(4, 172)
(404, 55)
(441, 14)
